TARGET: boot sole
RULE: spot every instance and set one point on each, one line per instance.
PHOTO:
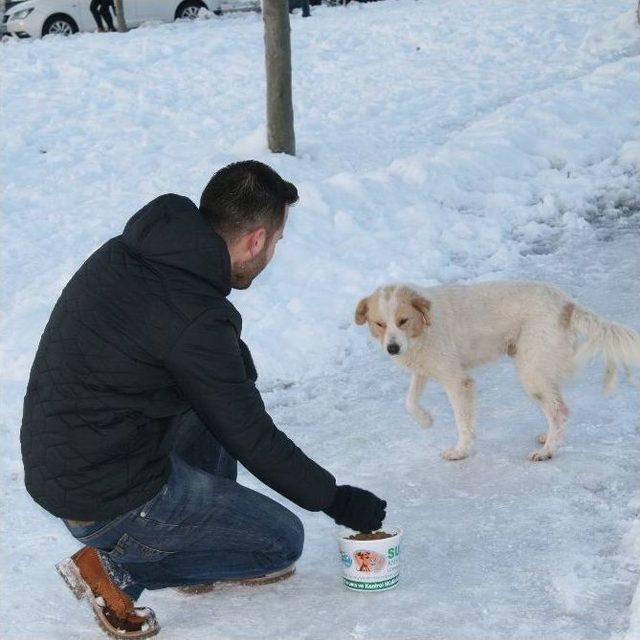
(199, 589)
(73, 579)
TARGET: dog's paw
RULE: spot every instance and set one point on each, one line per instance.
(542, 438)
(455, 454)
(540, 454)
(424, 419)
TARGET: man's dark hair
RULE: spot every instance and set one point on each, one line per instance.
(245, 195)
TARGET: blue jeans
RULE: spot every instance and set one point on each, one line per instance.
(201, 527)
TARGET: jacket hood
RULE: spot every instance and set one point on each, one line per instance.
(170, 230)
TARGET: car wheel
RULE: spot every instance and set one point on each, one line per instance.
(59, 24)
(189, 9)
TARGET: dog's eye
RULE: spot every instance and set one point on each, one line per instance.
(402, 321)
(382, 325)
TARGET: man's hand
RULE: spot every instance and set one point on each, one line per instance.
(357, 509)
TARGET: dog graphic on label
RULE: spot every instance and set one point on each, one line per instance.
(367, 561)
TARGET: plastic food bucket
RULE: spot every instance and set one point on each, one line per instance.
(371, 565)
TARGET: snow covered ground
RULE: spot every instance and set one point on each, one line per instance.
(438, 140)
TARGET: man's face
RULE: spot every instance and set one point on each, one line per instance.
(252, 253)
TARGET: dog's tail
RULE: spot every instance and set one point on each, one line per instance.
(618, 345)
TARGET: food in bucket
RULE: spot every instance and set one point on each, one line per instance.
(376, 535)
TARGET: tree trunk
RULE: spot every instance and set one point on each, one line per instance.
(121, 21)
(277, 45)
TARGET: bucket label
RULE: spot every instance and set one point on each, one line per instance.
(346, 559)
(371, 586)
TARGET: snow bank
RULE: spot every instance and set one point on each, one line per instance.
(451, 170)
(508, 184)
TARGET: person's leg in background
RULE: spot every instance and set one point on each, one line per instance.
(105, 10)
(95, 8)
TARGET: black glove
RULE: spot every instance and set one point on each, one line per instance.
(357, 509)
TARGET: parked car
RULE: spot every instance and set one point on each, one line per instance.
(36, 18)
(3, 8)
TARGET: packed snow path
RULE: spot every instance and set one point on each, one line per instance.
(495, 546)
(438, 141)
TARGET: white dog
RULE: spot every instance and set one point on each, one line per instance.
(442, 332)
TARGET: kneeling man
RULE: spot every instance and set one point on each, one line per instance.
(142, 399)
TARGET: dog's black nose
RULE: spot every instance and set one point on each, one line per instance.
(393, 349)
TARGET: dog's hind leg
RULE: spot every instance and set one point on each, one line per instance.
(543, 360)
(412, 402)
(550, 401)
(556, 412)
(462, 396)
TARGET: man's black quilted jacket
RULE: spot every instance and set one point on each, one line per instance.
(142, 333)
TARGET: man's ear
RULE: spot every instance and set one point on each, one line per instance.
(423, 306)
(257, 240)
(361, 311)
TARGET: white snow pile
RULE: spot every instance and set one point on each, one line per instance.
(507, 184)
(437, 140)
(481, 185)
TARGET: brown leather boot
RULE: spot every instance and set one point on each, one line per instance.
(269, 578)
(116, 614)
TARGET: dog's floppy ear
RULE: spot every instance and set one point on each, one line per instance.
(422, 305)
(361, 311)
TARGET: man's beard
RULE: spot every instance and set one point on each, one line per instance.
(244, 273)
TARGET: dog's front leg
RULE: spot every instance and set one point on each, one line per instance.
(412, 402)
(462, 396)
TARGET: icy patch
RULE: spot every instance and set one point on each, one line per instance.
(567, 590)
